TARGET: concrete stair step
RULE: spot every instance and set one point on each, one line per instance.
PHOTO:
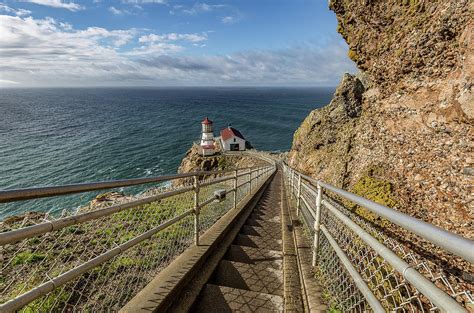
(266, 232)
(265, 217)
(269, 223)
(258, 242)
(257, 277)
(215, 298)
(269, 209)
(251, 255)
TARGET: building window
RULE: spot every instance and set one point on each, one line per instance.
(235, 140)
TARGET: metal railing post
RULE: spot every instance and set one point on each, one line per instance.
(317, 226)
(289, 179)
(196, 210)
(250, 181)
(298, 200)
(235, 188)
(293, 184)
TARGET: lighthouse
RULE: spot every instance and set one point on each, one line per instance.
(207, 138)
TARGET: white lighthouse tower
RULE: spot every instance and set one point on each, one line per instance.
(207, 138)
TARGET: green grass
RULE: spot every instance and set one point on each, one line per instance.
(123, 263)
(48, 304)
(27, 257)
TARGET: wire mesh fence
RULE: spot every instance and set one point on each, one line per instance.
(107, 286)
(393, 291)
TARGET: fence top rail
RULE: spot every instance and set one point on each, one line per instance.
(50, 191)
(53, 225)
(447, 240)
(60, 223)
(441, 299)
(49, 285)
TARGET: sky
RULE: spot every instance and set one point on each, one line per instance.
(54, 43)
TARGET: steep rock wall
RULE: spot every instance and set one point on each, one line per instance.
(412, 135)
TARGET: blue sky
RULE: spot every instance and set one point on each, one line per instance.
(170, 43)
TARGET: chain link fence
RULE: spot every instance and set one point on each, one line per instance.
(392, 290)
(164, 228)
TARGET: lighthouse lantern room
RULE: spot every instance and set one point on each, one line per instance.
(207, 138)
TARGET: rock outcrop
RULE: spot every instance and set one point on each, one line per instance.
(194, 162)
(404, 124)
(322, 143)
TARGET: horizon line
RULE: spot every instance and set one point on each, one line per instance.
(154, 87)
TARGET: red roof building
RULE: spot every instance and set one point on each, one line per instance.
(230, 132)
(232, 139)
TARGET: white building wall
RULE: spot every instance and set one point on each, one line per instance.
(207, 136)
(208, 152)
(207, 139)
(233, 140)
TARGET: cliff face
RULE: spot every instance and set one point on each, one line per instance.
(401, 131)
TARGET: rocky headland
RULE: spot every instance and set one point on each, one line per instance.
(194, 162)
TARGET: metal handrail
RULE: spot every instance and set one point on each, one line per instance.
(42, 228)
(46, 227)
(27, 232)
(425, 230)
(42, 192)
(425, 286)
(449, 241)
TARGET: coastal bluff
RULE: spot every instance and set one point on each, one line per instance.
(400, 132)
(193, 161)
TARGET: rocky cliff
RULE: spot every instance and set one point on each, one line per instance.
(400, 131)
(194, 162)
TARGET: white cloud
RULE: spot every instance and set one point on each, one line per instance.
(7, 82)
(17, 12)
(198, 8)
(173, 37)
(116, 11)
(65, 26)
(301, 65)
(229, 19)
(227, 14)
(160, 48)
(57, 4)
(144, 1)
(204, 7)
(37, 52)
(45, 52)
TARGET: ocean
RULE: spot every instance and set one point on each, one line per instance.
(62, 136)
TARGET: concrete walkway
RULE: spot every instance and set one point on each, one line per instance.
(251, 277)
(254, 259)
